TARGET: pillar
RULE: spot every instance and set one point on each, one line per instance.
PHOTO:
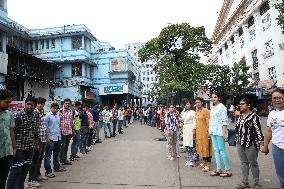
(127, 100)
(2, 82)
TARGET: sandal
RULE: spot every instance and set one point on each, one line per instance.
(206, 168)
(257, 186)
(201, 165)
(226, 174)
(215, 173)
(242, 185)
(50, 175)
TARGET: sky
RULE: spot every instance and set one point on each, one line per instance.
(116, 21)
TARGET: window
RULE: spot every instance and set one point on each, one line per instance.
(76, 70)
(264, 8)
(135, 53)
(268, 49)
(254, 59)
(148, 73)
(151, 72)
(47, 44)
(92, 72)
(272, 72)
(250, 21)
(232, 40)
(31, 46)
(220, 51)
(226, 46)
(53, 43)
(36, 45)
(1, 42)
(2, 4)
(148, 79)
(143, 78)
(41, 44)
(76, 42)
(152, 79)
(241, 31)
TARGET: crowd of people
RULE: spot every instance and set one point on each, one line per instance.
(32, 136)
(205, 132)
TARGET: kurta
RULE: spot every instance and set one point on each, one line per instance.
(203, 144)
(188, 127)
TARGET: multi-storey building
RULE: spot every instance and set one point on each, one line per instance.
(147, 73)
(247, 29)
(64, 62)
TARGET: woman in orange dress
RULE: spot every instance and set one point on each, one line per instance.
(203, 142)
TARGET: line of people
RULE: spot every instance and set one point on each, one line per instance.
(29, 137)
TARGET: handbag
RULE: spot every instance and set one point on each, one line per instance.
(231, 137)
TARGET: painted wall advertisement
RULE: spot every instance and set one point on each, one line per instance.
(117, 65)
(113, 89)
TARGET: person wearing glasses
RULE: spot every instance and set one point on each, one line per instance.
(248, 138)
(171, 127)
(218, 124)
(275, 132)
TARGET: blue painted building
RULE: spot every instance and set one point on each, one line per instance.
(65, 62)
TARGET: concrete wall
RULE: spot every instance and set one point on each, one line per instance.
(36, 89)
(72, 93)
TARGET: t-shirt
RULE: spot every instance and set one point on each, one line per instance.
(275, 121)
(77, 121)
(6, 123)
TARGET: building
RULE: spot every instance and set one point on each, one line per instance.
(247, 29)
(64, 62)
(147, 73)
(22, 73)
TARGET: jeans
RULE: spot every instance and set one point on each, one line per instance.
(120, 123)
(192, 153)
(90, 137)
(114, 123)
(20, 167)
(5, 163)
(76, 143)
(52, 147)
(107, 125)
(97, 131)
(248, 157)
(34, 171)
(278, 156)
(84, 137)
(171, 137)
(220, 151)
(65, 140)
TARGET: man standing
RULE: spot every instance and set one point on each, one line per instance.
(7, 136)
(96, 116)
(26, 132)
(114, 119)
(66, 129)
(52, 123)
(77, 137)
(106, 121)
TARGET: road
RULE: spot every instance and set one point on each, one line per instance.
(135, 160)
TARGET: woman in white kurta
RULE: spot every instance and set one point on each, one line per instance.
(189, 135)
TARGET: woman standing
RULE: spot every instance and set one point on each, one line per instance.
(275, 132)
(248, 138)
(218, 132)
(203, 142)
(189, 135)
(171, 127)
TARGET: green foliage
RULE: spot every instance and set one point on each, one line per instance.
(280, 18)
(177, 66)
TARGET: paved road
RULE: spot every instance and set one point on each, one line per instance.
(134, 160)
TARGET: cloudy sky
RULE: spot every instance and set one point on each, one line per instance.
(116, 21)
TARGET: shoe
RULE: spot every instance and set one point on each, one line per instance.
(169, 157)
(76, 156)
(33, 184)
(98, 141)
(49, 175)
(88, 150)
(72, 159)
(242, 185)
(42, 178)
(67, 163)
(38, 179)
(61, 169)
(172, 158)
(187, 163)
(257, 186)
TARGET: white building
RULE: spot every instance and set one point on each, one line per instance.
(148, 75)
(248, 29)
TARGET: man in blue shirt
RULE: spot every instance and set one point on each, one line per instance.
(52, 123)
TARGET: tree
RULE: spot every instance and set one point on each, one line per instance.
(240, 77)
(177, 53)
(280, 18)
